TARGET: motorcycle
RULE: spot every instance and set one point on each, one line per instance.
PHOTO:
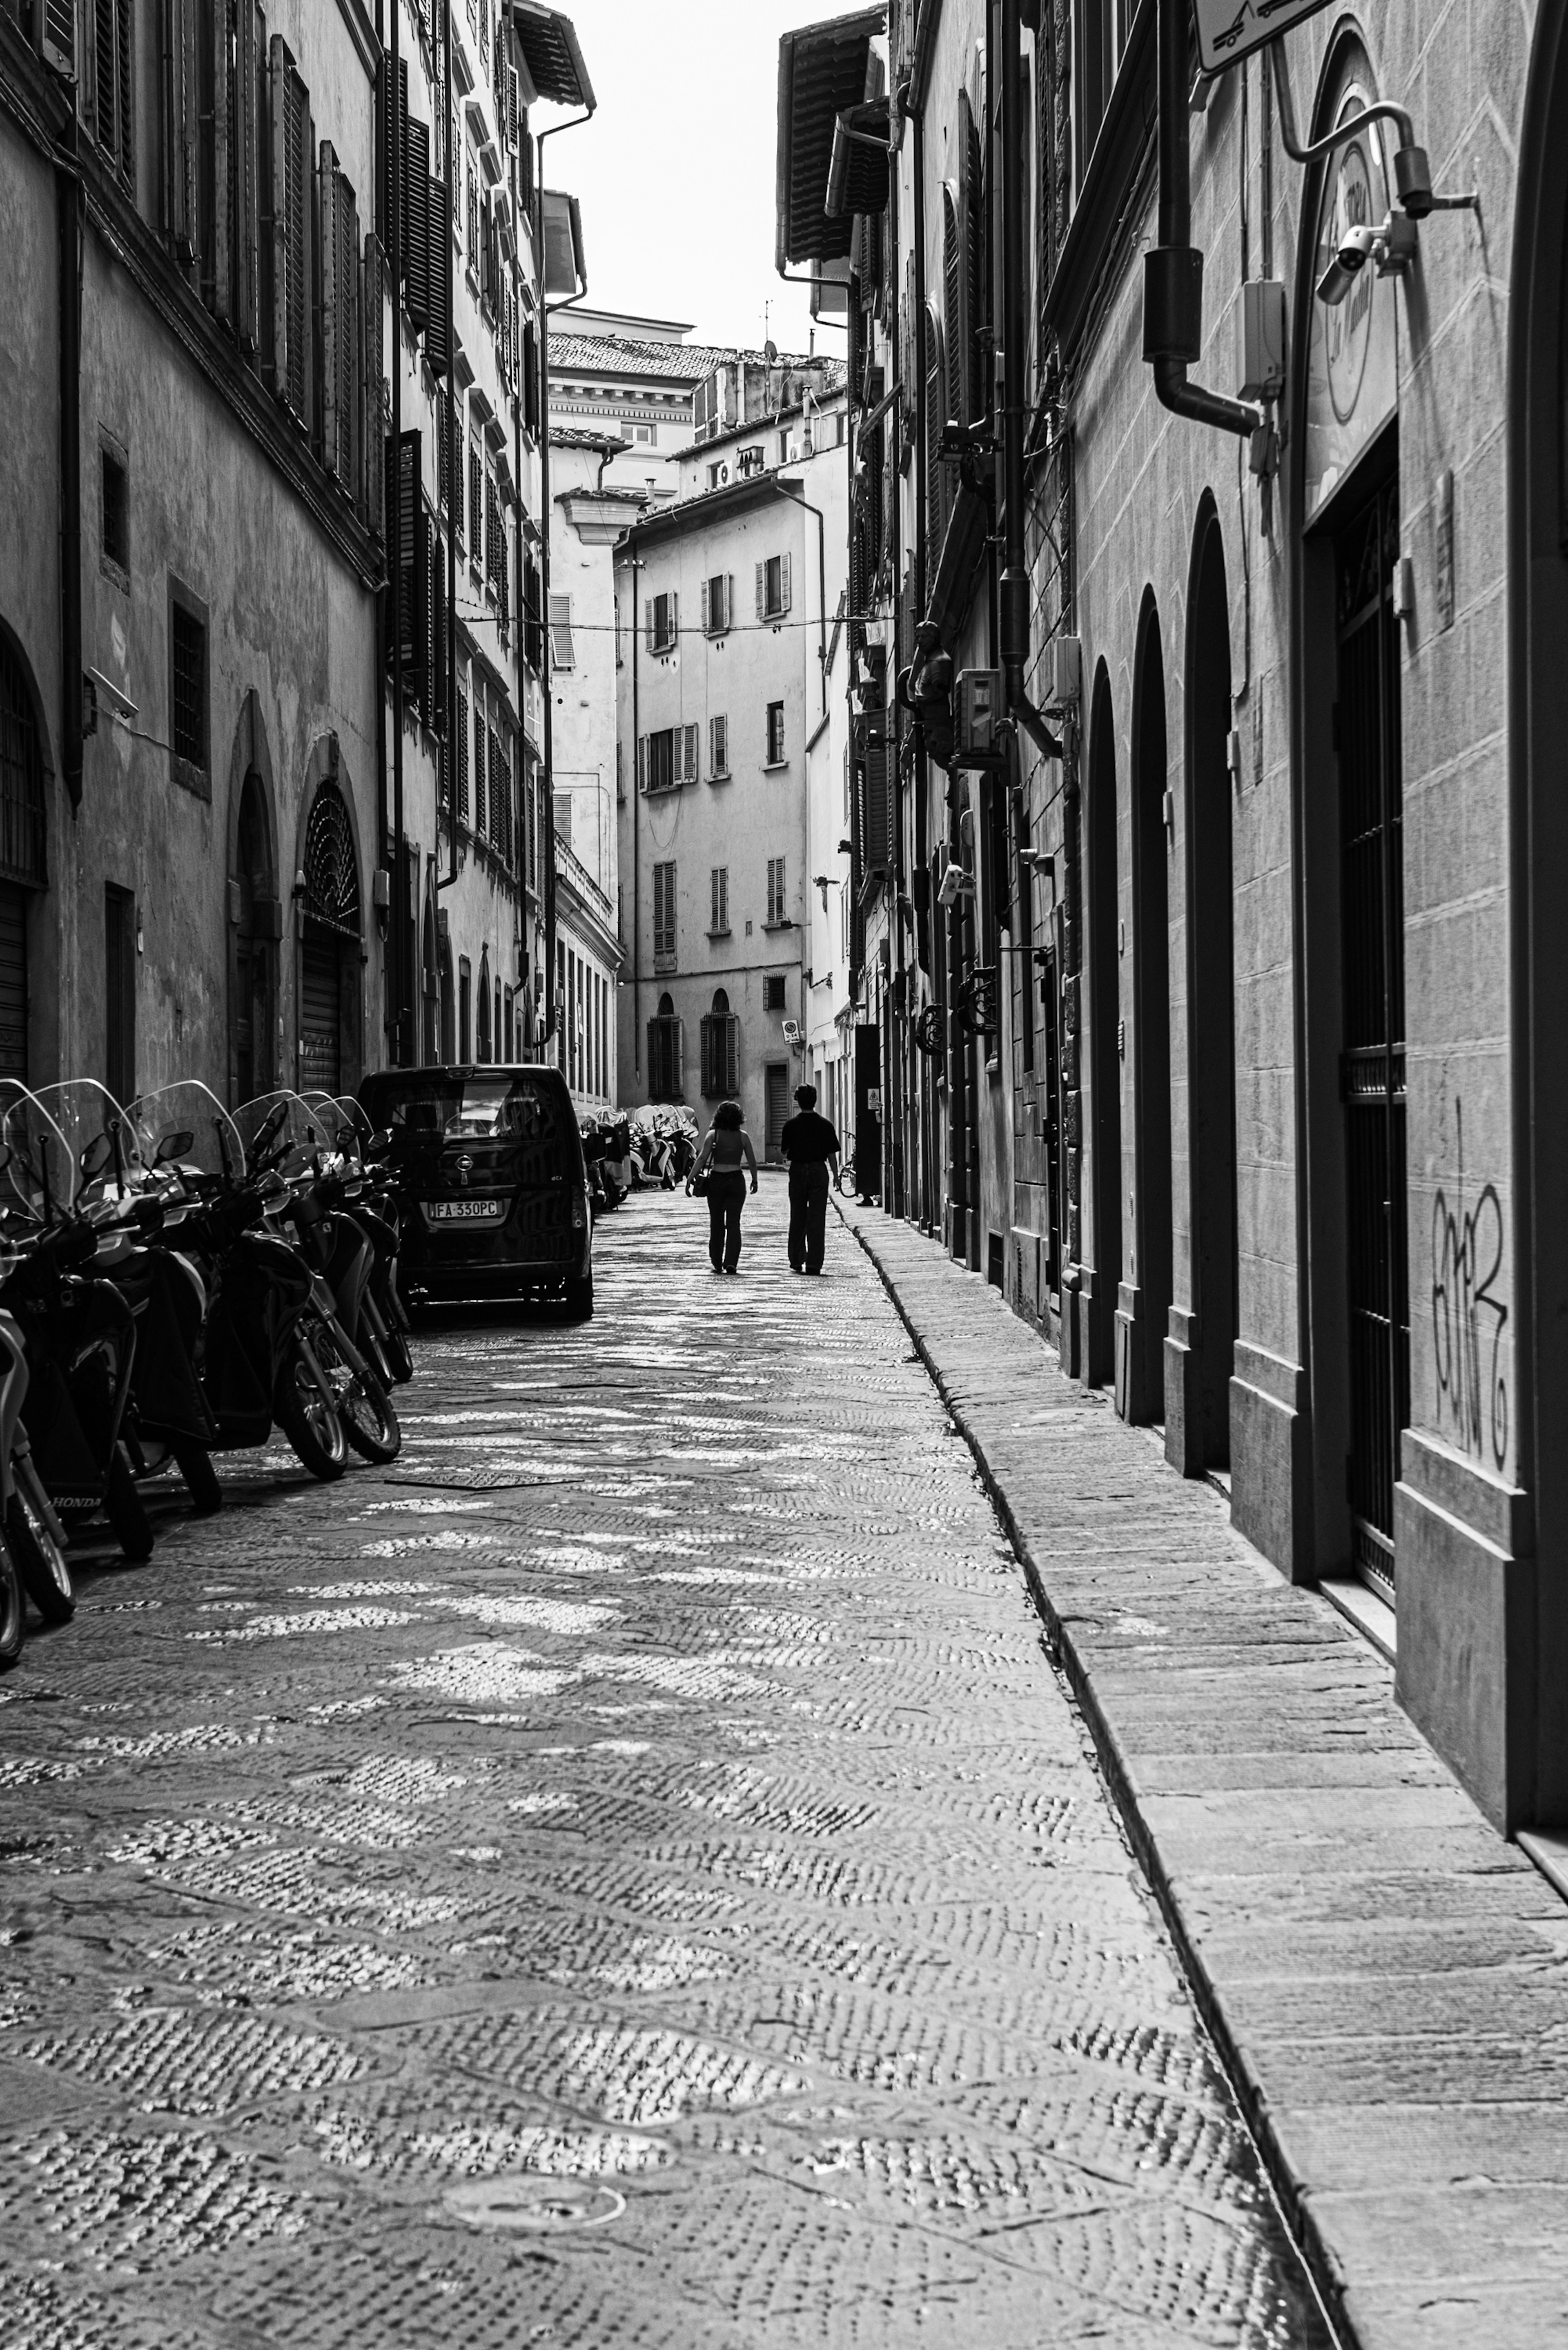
(78, 1330)
(378, 1320)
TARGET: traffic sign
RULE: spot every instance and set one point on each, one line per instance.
(1228, 32)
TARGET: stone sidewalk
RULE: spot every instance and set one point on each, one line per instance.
(1384, 1974)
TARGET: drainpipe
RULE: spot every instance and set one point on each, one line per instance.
(1173, 270)
(633, 568)
(394, 181)
(821, 580)
(67, 201)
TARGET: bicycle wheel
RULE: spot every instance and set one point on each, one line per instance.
(306, 1409)
(846, 1176)
(41, 1564)
(363, 1407)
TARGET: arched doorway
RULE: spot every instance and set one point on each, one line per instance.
(1102, 1263)
(428, 1038)
(1140, 1383)
(1523, 1440)
(253, 1004)
(329, 952)
(481, 1042)
(1198, 1424)
(22, 868)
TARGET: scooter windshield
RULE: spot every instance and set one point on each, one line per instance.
(279, 1131)
(340, 1140)
(101, 1138)
(185, 1129)
(39, 1181)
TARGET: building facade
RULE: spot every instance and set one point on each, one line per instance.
(229, 736)
(724, 600)
(1206, 988)
(632, 378)
(587, 519)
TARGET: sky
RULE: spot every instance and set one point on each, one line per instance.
(675, 172)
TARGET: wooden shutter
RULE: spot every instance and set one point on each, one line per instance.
(761, 591)
(935, 375)
(219, 128)
(708, 620)
(689, 760)
(373, 297)
(783, 583)
(416, 221)
(954, 307)
(648, 614)
(874, 827)
(438, 265)
(334, 313)
(642, 763)
(247, 68)
(461, 757)
(179, 110)
(480, 769)
(975, 228)
(414, 563)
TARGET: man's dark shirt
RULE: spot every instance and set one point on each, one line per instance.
(808, 1138)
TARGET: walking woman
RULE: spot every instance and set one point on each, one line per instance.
(726, 1148)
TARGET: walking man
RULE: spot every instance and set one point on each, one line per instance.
(811, 1146)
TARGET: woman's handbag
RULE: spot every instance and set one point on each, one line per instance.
(698, 1185)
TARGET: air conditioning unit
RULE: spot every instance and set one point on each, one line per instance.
(1062, 676)
(723, 476)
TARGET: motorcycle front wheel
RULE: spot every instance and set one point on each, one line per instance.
(13, 1610)
(41, 1564)
(390, 1348)
(365, 1407)
(306, 1411)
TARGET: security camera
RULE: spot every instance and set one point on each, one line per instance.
(1355, 250)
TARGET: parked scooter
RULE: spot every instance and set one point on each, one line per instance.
(376, 1319)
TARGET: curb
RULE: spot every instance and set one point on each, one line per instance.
(1290, 2190)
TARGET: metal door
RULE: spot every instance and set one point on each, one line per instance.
(1371, 1063)
(321, 1019)
(13, 981)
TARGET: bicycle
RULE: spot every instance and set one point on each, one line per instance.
(846, 1170)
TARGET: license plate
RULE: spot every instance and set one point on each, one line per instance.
(466, 1211)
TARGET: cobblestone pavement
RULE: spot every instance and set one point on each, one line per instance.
(627, 1875)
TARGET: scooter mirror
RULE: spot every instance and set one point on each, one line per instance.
(173, 1146)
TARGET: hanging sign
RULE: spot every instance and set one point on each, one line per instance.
(1353, 352)
(1228, 33)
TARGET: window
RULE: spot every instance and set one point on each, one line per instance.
(773, 587)
(114, 68)
(719, 926)
(663, 915)
(749, 462)
(114, 529)
(718, 599)
(188, 692)
(667, 757)
(476, 504)
(561, 650)
(784, 448)
(646, 433)
(775, 735)
(772, 991)
(717, 747)
(663, 616)
(464, 1010)
(292, 175)
(775, 892)
(463, 758)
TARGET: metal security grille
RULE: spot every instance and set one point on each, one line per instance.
(13, 981)
(188, 737)
(1371, 1064)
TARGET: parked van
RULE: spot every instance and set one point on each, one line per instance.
(489, 1163)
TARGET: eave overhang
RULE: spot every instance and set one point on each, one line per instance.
(822, 73)
(548, 43)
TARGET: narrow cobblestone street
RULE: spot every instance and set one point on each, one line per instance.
(627, 1874)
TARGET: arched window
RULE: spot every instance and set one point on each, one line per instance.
(666, 1005)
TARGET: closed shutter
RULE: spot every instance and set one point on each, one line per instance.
(783, 583)
(372, 298)
(461, 757)
(13, 981)
(642, 763)
(320, 1016)
(689, 760)
(438, 253)
(481, 772)
(974, 276)
(414, 563)
(719, 747)
(288, 228)
(954, 307)
(217, 270)
(530, 376)
(247, 168)
(334, 436)
(778, 1101)
(709, 621)
(416, 222)
(934, 381)
(761, 591)
(874, 773)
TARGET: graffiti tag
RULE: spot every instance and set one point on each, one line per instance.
(1466, 1258)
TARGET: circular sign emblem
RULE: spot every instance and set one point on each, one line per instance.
(1347, 324)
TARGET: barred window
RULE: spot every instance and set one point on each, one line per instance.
(188, 699)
